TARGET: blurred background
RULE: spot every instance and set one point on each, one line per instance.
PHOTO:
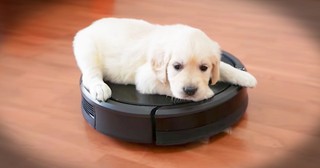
(41, 124)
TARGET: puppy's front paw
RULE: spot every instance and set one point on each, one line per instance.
(100, 91)
(209, 94)
(248, 80)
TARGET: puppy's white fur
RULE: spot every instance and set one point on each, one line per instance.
(129, 51)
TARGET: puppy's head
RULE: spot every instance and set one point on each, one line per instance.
(189, 66)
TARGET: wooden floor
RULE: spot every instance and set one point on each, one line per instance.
(41, 123)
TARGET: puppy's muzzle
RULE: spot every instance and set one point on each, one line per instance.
(190, 90)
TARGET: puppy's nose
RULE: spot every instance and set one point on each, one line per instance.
(190, 90)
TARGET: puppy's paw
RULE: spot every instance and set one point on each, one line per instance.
(209, 94)
(247, 80)
(100, 91)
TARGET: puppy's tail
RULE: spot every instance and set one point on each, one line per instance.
(236, 76)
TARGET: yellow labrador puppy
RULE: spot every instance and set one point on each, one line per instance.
(174, 60)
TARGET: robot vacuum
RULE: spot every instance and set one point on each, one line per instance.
(162, 120)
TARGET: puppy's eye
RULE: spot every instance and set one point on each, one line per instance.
(203, 68)
(177, 66)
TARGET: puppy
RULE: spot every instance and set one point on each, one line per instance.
(173, 60)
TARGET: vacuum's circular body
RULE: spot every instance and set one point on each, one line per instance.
(162, 120)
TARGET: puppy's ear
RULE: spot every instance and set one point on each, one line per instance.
(215, 73)
(159, 62)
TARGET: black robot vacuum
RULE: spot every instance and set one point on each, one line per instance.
(163, 120)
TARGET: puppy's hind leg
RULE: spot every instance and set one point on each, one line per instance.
(236, 76)
(88, 60)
